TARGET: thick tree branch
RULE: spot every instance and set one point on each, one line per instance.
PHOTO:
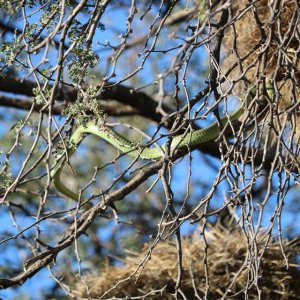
(111, 109)
(135, 103)
(141, 102)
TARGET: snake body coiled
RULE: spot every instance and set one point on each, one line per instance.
(191, 139)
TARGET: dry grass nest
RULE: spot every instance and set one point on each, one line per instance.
(234, 266)
(263, 42)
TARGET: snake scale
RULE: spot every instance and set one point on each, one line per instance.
(193, 138)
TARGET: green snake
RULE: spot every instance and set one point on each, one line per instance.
(194, 138)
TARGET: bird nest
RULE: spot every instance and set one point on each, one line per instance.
(261, 42)
(228, 263)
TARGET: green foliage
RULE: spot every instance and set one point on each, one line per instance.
(41, 96)
(31, 30)
(50, 16)
(82, 59)
(6, 178)
(101, 26)
(10, 51)
(75, 32)
(86, 107)
(10, 7)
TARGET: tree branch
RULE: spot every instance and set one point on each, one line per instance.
(110, 109)
(141, 102)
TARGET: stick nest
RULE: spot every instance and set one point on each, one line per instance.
(235, 266)
(262, 42)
